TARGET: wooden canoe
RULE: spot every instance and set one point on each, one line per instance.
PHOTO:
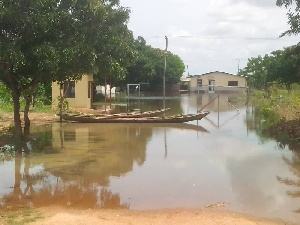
(151, 119)
(118, 115)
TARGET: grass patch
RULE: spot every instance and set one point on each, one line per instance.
(39, 107)
(278, 103)
(6, 108)
(21, 217)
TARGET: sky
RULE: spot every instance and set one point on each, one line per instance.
(211, 35)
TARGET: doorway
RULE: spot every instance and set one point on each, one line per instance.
(211, 85)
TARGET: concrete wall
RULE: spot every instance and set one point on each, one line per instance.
(220, 82)
(82, 98)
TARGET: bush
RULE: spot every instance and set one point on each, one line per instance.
(65, 104)
(6, 102)
(278, 103)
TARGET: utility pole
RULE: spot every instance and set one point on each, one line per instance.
(239, 60)
(164, 78)
(187, 68)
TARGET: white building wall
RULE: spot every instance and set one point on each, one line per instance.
(219, 80)
(82, 98)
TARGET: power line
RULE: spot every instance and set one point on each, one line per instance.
(221, 37)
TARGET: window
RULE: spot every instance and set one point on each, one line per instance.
(211, 85)
(233, 83)
(69, 89)
(199, 82)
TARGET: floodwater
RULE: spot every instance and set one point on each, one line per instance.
(219, 160)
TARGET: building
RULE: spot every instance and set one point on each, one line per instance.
(184, 84)
(217, 81)
(79, 94)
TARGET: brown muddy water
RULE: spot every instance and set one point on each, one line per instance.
(218, 161)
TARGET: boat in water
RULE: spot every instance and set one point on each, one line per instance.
(146, 118)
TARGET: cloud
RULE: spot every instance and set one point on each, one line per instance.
(211, 35)
(244, 20)
(259, 3)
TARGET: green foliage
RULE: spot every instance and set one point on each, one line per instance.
(6, 103)
(265, 108)
(56, 40)
(42, 103)
(5, 95)
(43, 94)
(52, 40)
(149, 63)
(293, 17)
(175, 68)
(277, 103)
(64, 102)
(281, 66)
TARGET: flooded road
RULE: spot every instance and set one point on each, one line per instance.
(219, 160)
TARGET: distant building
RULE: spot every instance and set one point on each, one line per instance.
(184, 84)
(101, 90)
(217, 81)
(79, 94)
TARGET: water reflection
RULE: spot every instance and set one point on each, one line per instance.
(105, 150)
(225, 102)
(154, 166)
(148, 101)
(77, 163)
(294, 164)
(283, 143)
(39, 188)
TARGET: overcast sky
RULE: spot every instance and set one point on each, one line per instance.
(211, 35)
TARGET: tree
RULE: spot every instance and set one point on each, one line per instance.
(256, 72)
(54, 40)
(293, 17)
(280, 66)
(116, 47)
(148, 66)
(141, 70)
(175, 68)
(283, 66)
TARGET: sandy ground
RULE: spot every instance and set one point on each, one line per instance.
(7, 120)
(58, 215)
(54, 216)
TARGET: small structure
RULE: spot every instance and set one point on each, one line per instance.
(184, 84)
(79, 94)
(101, 90)
(217, 81)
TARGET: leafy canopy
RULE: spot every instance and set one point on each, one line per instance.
(54, 40)
(148, 66)
(279, 66)
(293, 14)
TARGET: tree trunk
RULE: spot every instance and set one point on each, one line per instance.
(17, 185)
(26, 117)
(110, 93)
(105, 95)
(61, 103)
(28, 97)
(17, 120)
(29, 191)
